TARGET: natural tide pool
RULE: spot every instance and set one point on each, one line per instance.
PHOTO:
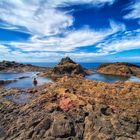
(110, 78)
(23, 80)
(21, 98)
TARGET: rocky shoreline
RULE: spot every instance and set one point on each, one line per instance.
(12, 66)
(71, 108)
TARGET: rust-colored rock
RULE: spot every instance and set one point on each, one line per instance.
(119, 68)
(74, 108)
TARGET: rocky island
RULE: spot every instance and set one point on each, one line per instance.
(66, 66)
(72, 107)
(119, 68)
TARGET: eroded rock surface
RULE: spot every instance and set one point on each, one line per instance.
(74, 109)
(66, 67)
(121, 69)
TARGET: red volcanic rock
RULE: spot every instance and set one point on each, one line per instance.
(66, 103)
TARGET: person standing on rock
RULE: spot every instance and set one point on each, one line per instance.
(35, 82)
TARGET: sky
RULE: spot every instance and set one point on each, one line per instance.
(85, 30)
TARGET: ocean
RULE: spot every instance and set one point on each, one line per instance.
(85, 65)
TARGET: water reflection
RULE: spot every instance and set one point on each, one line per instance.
(27, 83)
(106, 78)
(21, 98)
(15, 75)
(134, 79)
(24, 80)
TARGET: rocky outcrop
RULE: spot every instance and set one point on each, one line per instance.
(121, 69)
(74, 108)
(9, 66)
(66, 67)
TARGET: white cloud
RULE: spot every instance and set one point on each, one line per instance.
(71, 41)
(46, 56)
(56, 3)
(40, 17)
(43, 20)
(29, 57)
(3, 49)
(129, 41)
(47, 48)
(135, 10)
(33, 17)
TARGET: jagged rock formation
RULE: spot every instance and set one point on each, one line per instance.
(121, 69)
(66, 67)
(65, 61)
(76, 109)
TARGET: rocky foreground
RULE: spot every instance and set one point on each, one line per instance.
(119, 68)
(73, 109)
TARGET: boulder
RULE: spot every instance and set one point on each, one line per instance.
(62, 127)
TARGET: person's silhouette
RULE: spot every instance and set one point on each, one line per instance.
(35, 82)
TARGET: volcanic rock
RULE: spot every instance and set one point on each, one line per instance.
(120, 69)
(12, 66)
(95, 112)
(68, 67)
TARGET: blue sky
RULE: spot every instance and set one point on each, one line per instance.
(85, 30)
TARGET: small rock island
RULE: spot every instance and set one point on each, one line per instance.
(66, 66)
(120, 69)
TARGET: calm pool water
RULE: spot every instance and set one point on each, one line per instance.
(21, 98)
(134, 79)
(25, 82)
(15, 75)
(110, 78)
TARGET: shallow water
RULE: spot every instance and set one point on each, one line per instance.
(25, 82)
(134, 79)
(19, 98)
(110, 78)
(106, 78)
(15, 75)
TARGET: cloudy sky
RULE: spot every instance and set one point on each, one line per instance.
(85, 30)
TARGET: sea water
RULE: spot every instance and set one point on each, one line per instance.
(23, 80)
